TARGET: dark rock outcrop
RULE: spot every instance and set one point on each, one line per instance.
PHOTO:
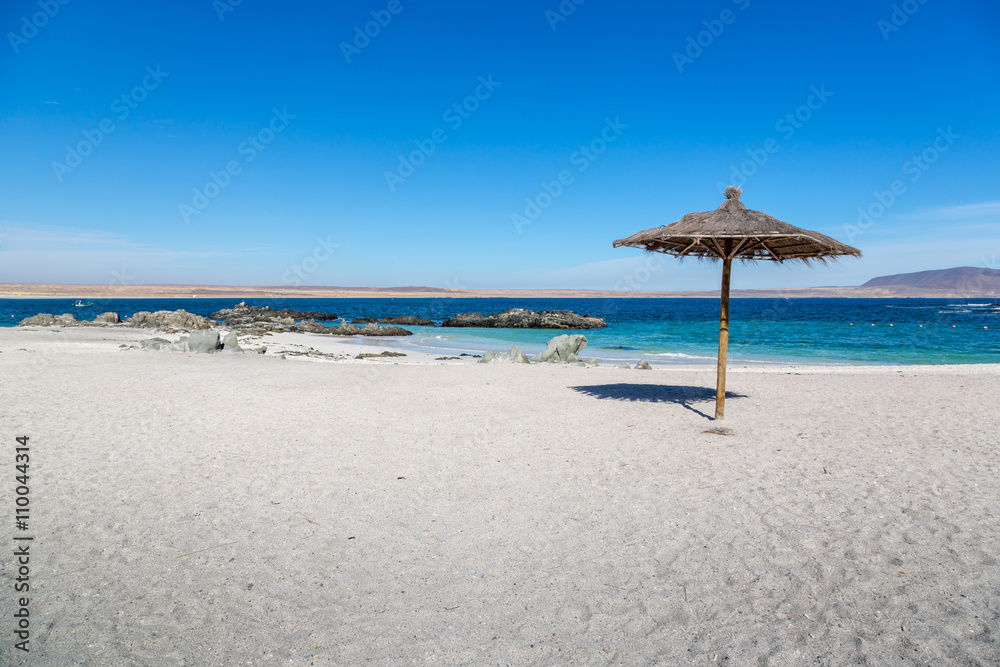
(286, 324)
(370, 329)
(312, 326)
(39, 320)
(405, 320)
(107, 318)
(519, 318)
(68, 320)
(167, 319)
(49, 320)
(241, 313)
(161, 319)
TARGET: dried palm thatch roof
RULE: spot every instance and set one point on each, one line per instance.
(733, 231)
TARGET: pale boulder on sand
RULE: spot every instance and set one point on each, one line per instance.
(513, 355)
(562, 349)
(231, 343)
(203, 341)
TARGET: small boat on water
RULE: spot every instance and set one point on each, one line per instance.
(83, 304)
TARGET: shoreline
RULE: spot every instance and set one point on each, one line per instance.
(665, 333)
(500, 513)
(343, 349)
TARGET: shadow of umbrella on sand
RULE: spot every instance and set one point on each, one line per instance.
(730, 232)
(681, 395)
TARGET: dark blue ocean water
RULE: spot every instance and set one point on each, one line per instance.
(905, 331)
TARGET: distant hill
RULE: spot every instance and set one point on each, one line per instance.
(960, 279)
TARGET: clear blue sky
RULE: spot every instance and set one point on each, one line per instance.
(113, 114)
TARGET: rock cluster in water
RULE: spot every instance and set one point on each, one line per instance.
(48, 320)
(247, 320)
(241, 313)
(345, 328)
(167, 319)
(405, 320)
(256, 320)
(161, 319)
(520, 318)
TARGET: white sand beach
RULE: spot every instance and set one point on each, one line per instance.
(196, 509)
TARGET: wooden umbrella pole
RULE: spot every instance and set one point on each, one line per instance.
(720, 386)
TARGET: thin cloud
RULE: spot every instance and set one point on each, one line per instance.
(19, 237)
(58, 255)
(964, 212)
(975, 224)
(25, 236)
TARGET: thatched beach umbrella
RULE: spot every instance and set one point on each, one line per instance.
(730, 232)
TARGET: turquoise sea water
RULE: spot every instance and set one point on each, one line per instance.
(841, 331)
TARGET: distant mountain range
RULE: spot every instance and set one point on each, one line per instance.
(962, 278)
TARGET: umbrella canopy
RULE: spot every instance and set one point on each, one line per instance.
(730, 232)
(754, 235)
